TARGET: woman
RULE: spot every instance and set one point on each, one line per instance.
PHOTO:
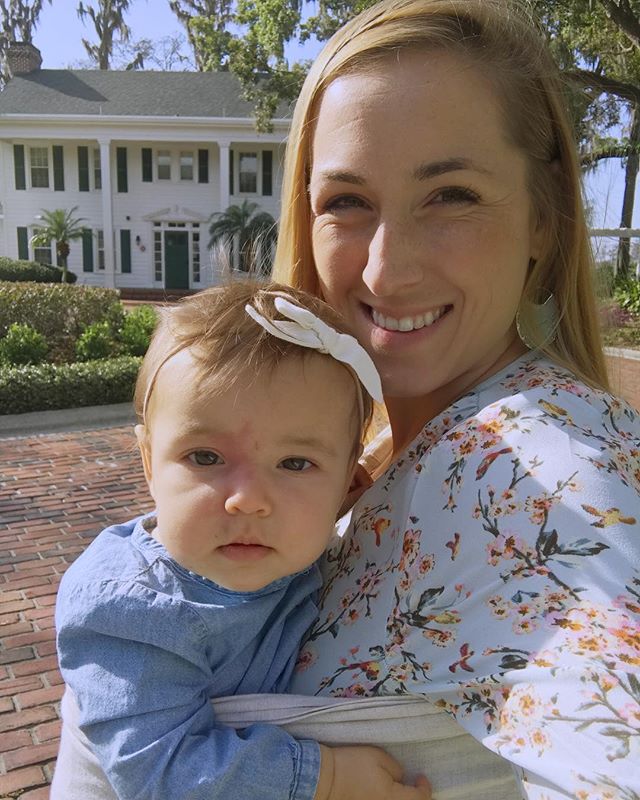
(432, 197)
(478, 615)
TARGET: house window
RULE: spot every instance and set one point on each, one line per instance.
(100, 240)
(186, 166)
(42, 255)
(97, 169)
(39, 159)
(248, 173)
(164, 165)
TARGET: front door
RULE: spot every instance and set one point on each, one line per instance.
(176, 260)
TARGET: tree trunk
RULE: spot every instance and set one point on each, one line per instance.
(630, 176)
(62, 252)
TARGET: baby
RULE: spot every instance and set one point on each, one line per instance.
(252, 408)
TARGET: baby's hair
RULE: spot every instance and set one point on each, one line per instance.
(227, 344)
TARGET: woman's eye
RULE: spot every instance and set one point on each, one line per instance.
(344, 202)
(296, 464)
(205, 458)
(456, 195)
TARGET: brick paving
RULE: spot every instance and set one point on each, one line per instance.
(56, 493)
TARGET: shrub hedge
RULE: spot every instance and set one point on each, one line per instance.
(17, 270)
(23, 345)
(60, 312)
(41, 387)
(137, 328)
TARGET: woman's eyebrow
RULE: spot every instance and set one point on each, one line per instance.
(341, 176)
(435, 168)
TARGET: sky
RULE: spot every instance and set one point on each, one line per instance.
(59, 34)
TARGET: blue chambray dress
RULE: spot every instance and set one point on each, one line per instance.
(494, 570)
(144, 646)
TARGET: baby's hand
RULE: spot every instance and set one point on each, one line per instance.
(364, 773)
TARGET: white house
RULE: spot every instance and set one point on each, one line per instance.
(146, 157)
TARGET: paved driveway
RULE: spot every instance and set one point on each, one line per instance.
(57, 492)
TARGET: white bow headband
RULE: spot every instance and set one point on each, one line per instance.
(308, 330)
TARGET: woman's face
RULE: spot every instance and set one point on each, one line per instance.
(422, 225)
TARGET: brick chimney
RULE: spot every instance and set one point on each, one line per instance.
(22, 58)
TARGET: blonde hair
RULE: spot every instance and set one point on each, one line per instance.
(227, 344)
(502, 38)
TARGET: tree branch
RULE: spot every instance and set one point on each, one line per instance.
(592, 80)
(623, 17)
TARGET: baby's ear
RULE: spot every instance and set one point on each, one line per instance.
(145, 451)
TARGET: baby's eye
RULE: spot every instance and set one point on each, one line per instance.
(296, 464)
(456, 195)
(205, 458)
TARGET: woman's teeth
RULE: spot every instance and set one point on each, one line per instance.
(407, 323)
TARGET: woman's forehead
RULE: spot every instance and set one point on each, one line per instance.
(426, 110)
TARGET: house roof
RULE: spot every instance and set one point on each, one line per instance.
(127, 93)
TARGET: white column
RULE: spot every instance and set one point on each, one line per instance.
(107, 214)
(223, 147)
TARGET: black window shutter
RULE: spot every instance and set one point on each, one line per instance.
(83, 168)
(58, 168)
(147, 165)
(18, 164)
(121, 169)
(230, 172)
(23, 244)
(87, 250)
(267, 172)
(125, 250)
(203, 166)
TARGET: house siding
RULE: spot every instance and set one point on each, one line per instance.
(137, 209)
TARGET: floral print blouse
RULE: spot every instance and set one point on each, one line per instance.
(494, 569)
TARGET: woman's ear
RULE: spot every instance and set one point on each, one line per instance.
(145, 453)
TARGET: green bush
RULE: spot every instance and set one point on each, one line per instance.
(49, 386)
(96, 341)
(60, 312)
(137, 328)
(628, 295)
(17, 270)
(23, 345)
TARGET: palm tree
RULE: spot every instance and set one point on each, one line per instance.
(255, 230)
(62, 227)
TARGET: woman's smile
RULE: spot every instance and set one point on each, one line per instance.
(408, 322)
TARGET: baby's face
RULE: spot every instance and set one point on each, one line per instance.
(248, 482)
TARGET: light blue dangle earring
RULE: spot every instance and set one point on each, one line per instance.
(537, 323)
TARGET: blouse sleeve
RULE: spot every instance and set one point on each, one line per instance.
(143, 686)
(526, 615)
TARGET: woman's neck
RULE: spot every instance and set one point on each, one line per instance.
(408, 415)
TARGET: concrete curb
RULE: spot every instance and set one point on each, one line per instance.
(66, 419)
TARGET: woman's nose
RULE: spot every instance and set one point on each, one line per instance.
(394, 260)
(248, 494)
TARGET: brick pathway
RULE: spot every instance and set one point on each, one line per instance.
(56, 492)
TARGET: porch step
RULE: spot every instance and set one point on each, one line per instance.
(154, 295)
